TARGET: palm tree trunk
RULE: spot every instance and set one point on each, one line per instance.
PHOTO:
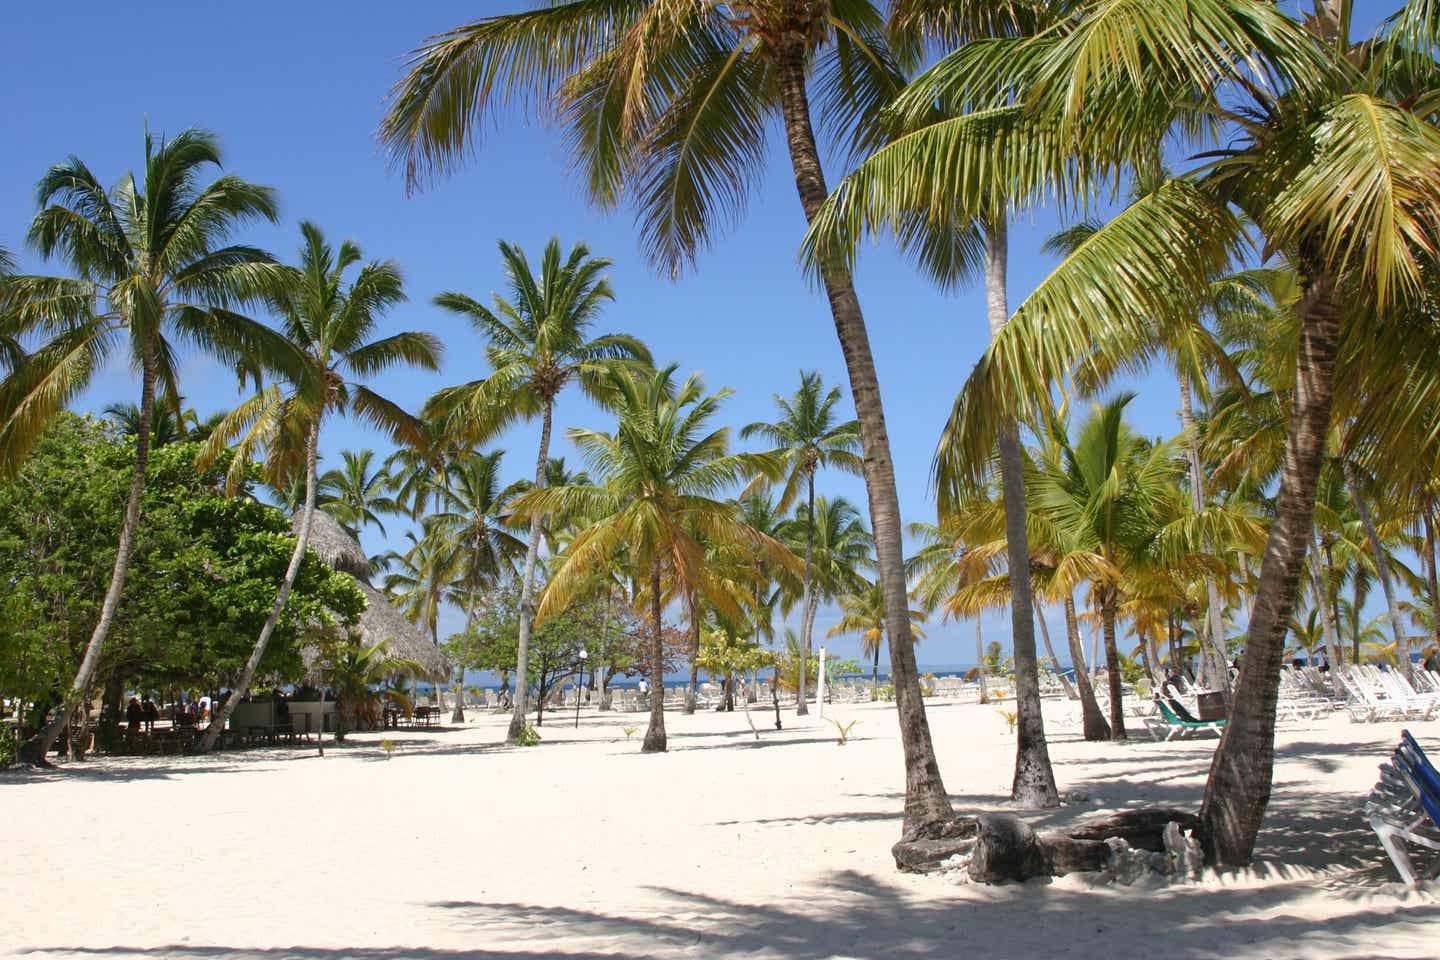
(1382, 566)
(980, 661)
(527, 591)
(691, 691)
(875, 672)
(655, 735)
(297, 556)
(1214, 674)
(1430, 574)
(1321, 577)
(1094, 721)
(459, 715)
(1112, 665)
(801, 709)
(927, 807)
(1238, 788)
(1034, 783)
(37, 748)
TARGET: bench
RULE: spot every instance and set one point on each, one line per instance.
(1404, 807)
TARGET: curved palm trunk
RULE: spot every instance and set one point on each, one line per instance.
(1238, 788)
(1382, 568)
(1320, 577)
(1214, 673)
(1112, 665)
(801, 709)
(527, 591)
(1034, 784)
(1094, 721)
(927, 807)
(36, 750)
(297, 556)
(655, 735)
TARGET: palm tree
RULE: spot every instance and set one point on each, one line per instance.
(538, 342)
(357, 674)
(420, 578)
(473, 528)
(328, 326)
(355, 492)
(1062, 113)
(671, 102)
(658, 474)
(863, 612)
(807, 437)
(165, 427)
(152, 267)
(839, 547)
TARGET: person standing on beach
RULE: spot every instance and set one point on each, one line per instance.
(133, 714)
(149, 712)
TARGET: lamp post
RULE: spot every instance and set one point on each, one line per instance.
(579, 682)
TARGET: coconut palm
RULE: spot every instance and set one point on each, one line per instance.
(863, 612)
(839, 547)
(671, 103)
(357, 674)
(658, 475)
(472, 526)
(355, 492)
(420, 578)
(1333, 155)
(165, 426)
(152, 269)
(538, 342)
(807, 437)
(328, 325)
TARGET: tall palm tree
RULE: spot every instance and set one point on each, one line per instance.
(658, 476)
(671, 102)
(1064, 114)
(863, 612)
(839, 547)
(152, 268)
(355, 493)
(472, 526)
(328, 325)
(537, 342)
(808, 437)
(165, 426)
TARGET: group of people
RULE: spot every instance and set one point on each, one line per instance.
(141, 712)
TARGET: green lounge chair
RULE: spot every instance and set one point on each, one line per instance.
(1171, 726)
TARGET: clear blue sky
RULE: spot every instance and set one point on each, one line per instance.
(295, 92)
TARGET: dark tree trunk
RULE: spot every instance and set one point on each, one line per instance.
(655, 735)
(1095, 726)
(693, 689)
(927, 807)
(1238, 788)
(875, 672)
(35, 750)
(1112, 665)
(527, 589)
(287, 584)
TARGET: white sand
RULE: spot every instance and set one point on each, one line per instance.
(583, 848)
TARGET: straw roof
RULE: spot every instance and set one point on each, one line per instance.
(380, 621)
(333, 544)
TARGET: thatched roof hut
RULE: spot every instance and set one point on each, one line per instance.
(333, 544)
(380, 621)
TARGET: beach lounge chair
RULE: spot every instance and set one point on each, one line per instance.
(1173, 726)
(1404, 807)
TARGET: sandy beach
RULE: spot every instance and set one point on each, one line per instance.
(581, 847)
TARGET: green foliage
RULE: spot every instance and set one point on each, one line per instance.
(201, 583)
(388, 746)
(722, 654)
(529, 737)
(629, 731)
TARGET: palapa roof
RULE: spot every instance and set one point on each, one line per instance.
(333, 544)
(380, 621)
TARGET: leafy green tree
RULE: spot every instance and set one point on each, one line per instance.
(358, 674)
(327, 351)
(671, 105)
(807, 437)
(152, 269)
(201, 581)
(658, 474)
(538, 342)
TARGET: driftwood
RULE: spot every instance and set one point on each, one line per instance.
(1000, 847)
